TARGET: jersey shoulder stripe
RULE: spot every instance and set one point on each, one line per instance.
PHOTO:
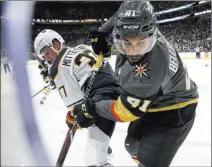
(55, 66)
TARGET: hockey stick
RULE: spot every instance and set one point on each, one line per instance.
(70, 134)
(40, 90)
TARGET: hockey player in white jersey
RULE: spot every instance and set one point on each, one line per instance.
(70, 70)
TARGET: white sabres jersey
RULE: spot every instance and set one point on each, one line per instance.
(73, 69)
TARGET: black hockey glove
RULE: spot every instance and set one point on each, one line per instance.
(99, 43)
(44, 73)
(85, 113)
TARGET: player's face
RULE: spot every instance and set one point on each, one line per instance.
(135, 46)
(51, 54)
(48, 54)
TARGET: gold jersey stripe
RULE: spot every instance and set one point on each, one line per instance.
(120, 111)
(114, 113)
(173, 107)
(136, 160)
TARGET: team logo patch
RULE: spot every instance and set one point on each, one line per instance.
(141, 70)
(94, 39)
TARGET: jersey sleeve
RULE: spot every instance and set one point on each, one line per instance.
(125, 109)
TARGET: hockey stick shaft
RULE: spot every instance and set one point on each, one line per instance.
(70, 134)
(40, 90)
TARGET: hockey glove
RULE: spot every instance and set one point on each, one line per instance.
(99, 43)
(44, 73)
(84, 113)
(70, 120)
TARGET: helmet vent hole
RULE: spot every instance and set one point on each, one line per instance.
(150, 34)
(145, 27)
(118, 27)
(117, 36)
(145, 17)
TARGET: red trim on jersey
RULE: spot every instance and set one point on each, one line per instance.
(112, 108)
(134, 158)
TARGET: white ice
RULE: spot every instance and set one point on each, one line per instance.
(195, 151)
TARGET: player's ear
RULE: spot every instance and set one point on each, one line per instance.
(57, 45)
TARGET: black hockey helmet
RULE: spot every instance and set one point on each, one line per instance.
(135, 31)
(135, 18)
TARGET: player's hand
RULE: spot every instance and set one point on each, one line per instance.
(70, 120)
(99, 43)
(44, 73)
(85, 113)
(43, 70)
